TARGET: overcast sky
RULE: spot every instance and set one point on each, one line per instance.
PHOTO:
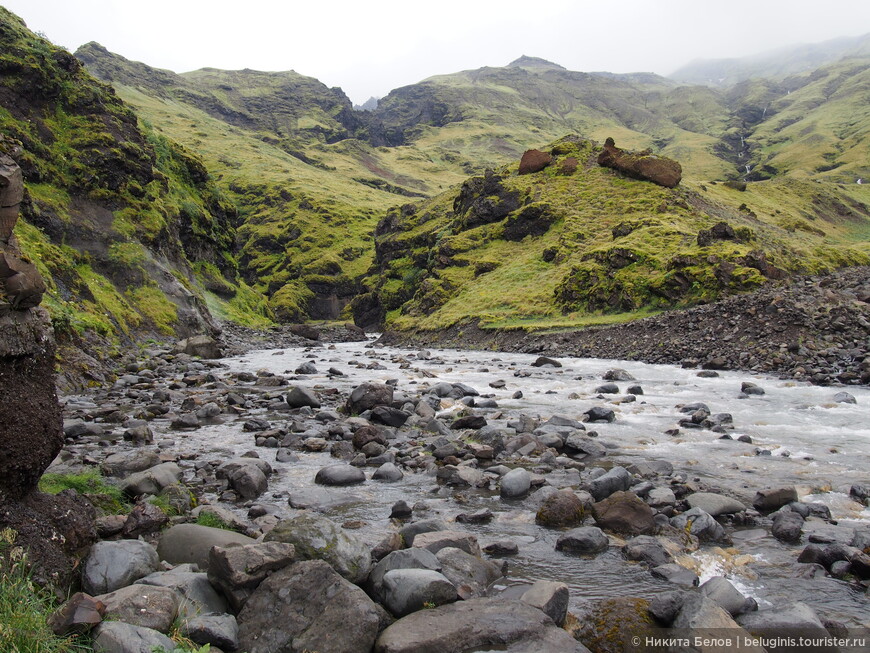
(368, 47)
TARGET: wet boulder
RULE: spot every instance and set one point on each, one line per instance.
(408, 590)
(340, 475)
(771, 499)
(549, 597)
(701, 525)
(561, 509)
(299, 397)
(616, 480)
(316, 537)
(624, 512)
(368, 395)
(470, 574)
(247, 476)
(714, 504)
(477, 624)
(515, 483)
(308, 606)
(787, 526)
(586, 540)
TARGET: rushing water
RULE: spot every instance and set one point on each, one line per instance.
(814, 443)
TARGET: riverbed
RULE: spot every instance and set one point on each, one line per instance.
(799, 435)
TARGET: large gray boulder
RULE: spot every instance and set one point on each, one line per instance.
(368, 395)
(617, 479)
(152, 480)
(316, 537)
(515, 483)
(219, 630)
(190, 543)
(299, 397)
(340, 475)
(477, 624)
(127, 462)
(549, 597)
(307, 606)
(198, 595)
(728, 597)
(434, 541)
(408, 590)
(141, 605)
(701, 525)
(795, 618)
(202, 346)
(705, 618)
(113, 565)
(714, 504)
(402, 559)
(238, 570)
(119, 637)
(247, 476)
(585, 540)
(470, 574)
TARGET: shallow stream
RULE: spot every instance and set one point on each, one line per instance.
(815, 443)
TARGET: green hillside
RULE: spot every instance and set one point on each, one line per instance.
(566, 248)
(126, 227)
(273, 204)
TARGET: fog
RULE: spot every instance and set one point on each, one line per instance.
(369, 48)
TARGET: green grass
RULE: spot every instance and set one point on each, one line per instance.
(212, 521)
(25, 608)
(106, 497)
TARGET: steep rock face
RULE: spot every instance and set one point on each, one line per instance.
(641, 165)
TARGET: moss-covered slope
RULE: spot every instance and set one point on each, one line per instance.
(126, 227)
(577, 243)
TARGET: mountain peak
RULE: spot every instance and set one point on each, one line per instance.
(534, 63)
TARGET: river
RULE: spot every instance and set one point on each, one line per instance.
(799, 436)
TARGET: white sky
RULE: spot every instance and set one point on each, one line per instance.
(368, 47)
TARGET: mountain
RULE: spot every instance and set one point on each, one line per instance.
(126, 227)
(265, 195)
(774, 64)
(427, 137)
(577, 243)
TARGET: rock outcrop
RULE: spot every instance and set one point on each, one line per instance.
(49, 527)
(642, 165)
(534, 161)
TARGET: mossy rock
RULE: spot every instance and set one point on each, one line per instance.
(609, 625)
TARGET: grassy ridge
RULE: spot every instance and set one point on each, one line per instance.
(114, 213)
(593, 243)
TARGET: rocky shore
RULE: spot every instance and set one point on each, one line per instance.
(285, 577)
(813, 329)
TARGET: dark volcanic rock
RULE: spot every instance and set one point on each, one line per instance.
(641, 165)
(307, 606)
(560, 509)
(624, 512)
(29, 412)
